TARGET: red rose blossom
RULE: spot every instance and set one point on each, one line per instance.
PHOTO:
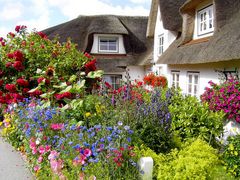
(3, 43)
(18, 65)
(17, 28)
(10, 87)
(90, 66)
(42, 35)
(11, 34)
(10, 55)
(8, 64)
(18, 55)
(1, 82)
(22, 82)
(25, 90)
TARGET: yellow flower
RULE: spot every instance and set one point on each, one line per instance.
(88, 114)
(1, 123)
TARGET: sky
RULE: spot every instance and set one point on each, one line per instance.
(41, 14)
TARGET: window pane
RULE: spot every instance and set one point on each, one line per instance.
(177, 77)
(196, 79)
(190, 78)
(195, 89)
(189, 89)
(103, 47)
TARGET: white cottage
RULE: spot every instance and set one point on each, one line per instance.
(201, 41)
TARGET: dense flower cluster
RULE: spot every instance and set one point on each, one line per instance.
(225, 97)
(155, 81)
(51, 139)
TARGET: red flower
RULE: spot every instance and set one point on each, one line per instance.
(3, 43)
(10, 55)
(18, 65)
(18, 55)
(10, 87)
(36, 93)
(1, 93)
(42, 35)
(19, 28)
(1, 38)
(2, 100)
(8, 64)
(63, 95)
(11, 34)
(39, 80)
(90, 66)
(108, 85)
(1, 82)
(25, 90)
(22, 82)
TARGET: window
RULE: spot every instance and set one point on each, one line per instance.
(205, 20)
(175, 79)
(160, 44)
(108, 44)
(193, 83)
(113, 79)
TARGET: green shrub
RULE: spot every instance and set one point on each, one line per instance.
(191, 118)
(144, 151)
(231, 156)
(195, 161)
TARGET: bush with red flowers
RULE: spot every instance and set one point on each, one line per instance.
(33, 65)
(154, 80)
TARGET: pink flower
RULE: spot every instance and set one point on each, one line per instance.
(34, 151)
(47, 148)
(36, 168)
(57, 126)
(40, 159)
(41, 149)
(53, 155)
(87, 152)
(56, 165)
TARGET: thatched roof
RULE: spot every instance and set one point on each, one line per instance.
(224, 45)
(170, 15)
(81, 31)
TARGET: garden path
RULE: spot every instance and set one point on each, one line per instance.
(12, 166)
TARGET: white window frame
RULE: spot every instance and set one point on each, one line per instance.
(201, 20)
(113, 77)
(108, 44)
(175, 79)
(192, 85)
(160, 44)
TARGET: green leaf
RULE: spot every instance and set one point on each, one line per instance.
(95, 74)
(62, 85)
(32, 90)
(67, 89)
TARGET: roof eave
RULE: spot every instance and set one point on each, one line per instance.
(152, 19)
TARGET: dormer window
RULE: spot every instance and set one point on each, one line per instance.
(205, 21)
(160, 44)
(108, 44)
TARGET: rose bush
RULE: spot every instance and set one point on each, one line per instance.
(30, 60)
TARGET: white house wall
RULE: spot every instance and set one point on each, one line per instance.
(169, 37)
(94, 49)
(135, 72)
(206, 73)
